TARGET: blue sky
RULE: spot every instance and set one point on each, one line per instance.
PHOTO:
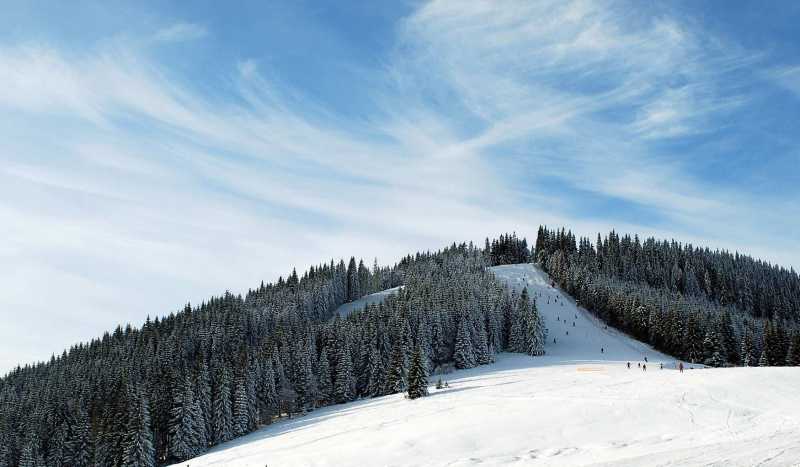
(154, 153)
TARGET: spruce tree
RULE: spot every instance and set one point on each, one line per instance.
(324, 378)
(183, 436)
(763, 360)
(203, 394)
(396, 376)
(29, 457)
(747, 350)
(241, 413)
(223, 410)
(344, 375)
(464, 354)
(377, 374)
(139, 450)
(793, 355)
(79, 444)
(417, 376)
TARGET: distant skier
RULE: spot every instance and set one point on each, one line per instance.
(645, 359)
(661, 366)
(680, 367)
(644, 367)
(638, 365)
(629, 365)
(602, 350)
(573, 324)
(568, 333)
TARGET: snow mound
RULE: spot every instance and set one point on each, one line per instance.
(574, 406)
(361, 303)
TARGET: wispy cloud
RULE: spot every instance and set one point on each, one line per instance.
(123, 179)
(787, 77)
(180, 32)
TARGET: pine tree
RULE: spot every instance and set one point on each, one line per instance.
(793, 352)
(763, 360)
(396, 376)
(535, 332)
(241, 413)
(203, 394)
(523, 330)
(324, 378)
(139, 450)
(377, 374)
(267, 395)
(464, 355)
(747, 350)
(183, 437)
(223, 410)
(29, 457)
(417, 376)
(482, 355)
(344, 375)
(713, 349)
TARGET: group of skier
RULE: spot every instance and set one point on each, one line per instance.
(643, 366)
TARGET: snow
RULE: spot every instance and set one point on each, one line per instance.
(361, 303)
(574, 406)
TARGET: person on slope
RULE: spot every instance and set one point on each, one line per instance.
(629, 365)
(680, 367)
(602, 350)
(644, 367)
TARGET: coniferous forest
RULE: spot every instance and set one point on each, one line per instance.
(711, 307)
(169, 390)
(174, 387)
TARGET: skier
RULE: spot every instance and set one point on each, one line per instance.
(573, 324)
(602, 350)
(554, 340)
(568, 333)
(645, 359)
(629, 365)
(680, 367)
(644, 367)
(662, 366)
(638, 365)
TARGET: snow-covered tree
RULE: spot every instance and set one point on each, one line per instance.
(417, 375)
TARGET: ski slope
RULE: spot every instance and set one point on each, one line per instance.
(361, 303)
(574, 406)
(579, 336)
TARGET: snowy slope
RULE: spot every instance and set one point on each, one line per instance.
(575, 406)
(362, 302)
(587, 337)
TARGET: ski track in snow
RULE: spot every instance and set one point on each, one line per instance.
(573, 406)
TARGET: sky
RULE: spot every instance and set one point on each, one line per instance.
(154, 153)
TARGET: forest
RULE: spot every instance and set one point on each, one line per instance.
(171, 389)
(712, 307)
(174, 387)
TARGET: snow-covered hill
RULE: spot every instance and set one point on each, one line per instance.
(574, 406)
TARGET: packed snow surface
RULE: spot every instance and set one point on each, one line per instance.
(574, 406)
(361, 303)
